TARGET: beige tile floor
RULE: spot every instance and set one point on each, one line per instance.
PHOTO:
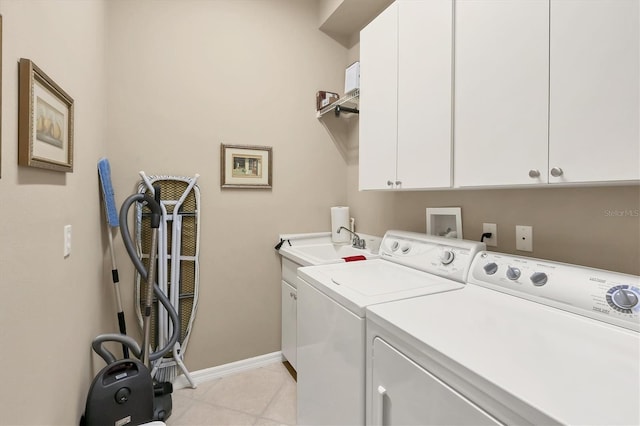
(262, 396)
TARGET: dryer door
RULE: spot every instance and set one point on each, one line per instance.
(406, 394)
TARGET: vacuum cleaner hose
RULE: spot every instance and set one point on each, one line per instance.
(156, 213)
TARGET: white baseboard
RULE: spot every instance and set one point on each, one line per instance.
(208, 374)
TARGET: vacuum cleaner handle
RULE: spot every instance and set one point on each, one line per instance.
(156, 213)
(127, 341)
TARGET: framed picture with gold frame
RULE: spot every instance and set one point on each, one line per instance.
(45, 121)
(245, 166)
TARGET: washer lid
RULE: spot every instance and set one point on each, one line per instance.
(574, 369)
(376, 279)
(356, 285)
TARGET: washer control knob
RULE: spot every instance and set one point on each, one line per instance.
(447, 257)
(624, 298)
(538, 279)
(490, 268)
(395, 245)
(513, 273)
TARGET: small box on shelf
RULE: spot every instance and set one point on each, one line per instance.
(324, 98)
(352, 78)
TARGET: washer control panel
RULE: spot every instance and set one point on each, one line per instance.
(604, 295)
(446, 257)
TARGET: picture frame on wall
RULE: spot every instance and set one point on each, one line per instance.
(246, 166)
(45, 121)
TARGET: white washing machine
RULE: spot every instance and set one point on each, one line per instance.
(331, 316)
(527, 341)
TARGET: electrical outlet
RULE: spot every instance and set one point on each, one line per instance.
(67, 240)
(493, 228)
(524, 238)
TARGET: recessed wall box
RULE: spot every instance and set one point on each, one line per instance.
(352, 78)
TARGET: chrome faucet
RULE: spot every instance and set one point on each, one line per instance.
(357, 242)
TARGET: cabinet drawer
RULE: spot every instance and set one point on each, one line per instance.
(289, 271)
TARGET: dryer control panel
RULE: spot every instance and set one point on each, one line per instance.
(603, 295)
(447, 257)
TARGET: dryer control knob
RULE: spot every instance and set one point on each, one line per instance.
(624, 298)
(490, 268)
(538, 279)
(447, 257)
(513, 273)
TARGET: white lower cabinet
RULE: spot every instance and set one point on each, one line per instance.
(289, 323)
(404, 393)
(289, 316)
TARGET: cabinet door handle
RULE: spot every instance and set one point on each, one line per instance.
(293, 295)
(380, 412)
(556, 172)
(398, 182)
(534, 173)
(389, 183)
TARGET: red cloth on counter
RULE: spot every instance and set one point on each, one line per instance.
(354, 258)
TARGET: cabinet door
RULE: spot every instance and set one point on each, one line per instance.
(594, 90)
(424, 93)
(378, 100)
(501, 92)
(289, 323)
(406, 394)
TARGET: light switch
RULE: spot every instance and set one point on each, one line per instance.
(67, 240)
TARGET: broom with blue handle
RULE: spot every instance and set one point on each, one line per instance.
(108, 196)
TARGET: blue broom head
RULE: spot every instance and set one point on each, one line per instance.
(104, 170)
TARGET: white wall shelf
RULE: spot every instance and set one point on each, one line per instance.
(346, 104)
(340, 120)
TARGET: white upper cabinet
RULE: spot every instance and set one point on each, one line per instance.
(546, 92)
(378, 118)
(405, 97)
(539, 92)
(501, 92)
(594, 91)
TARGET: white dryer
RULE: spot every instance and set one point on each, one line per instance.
(527, 341)
(331, 316)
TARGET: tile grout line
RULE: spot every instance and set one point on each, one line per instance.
(256, 417)
(266, 407)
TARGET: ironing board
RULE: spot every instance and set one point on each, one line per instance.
(178, 266)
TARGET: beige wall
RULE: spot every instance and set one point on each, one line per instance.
(52, 307)
(174, 81)
(326, 8)
(183, 78)
(595, 227)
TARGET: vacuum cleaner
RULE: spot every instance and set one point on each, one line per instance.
(123, 392)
